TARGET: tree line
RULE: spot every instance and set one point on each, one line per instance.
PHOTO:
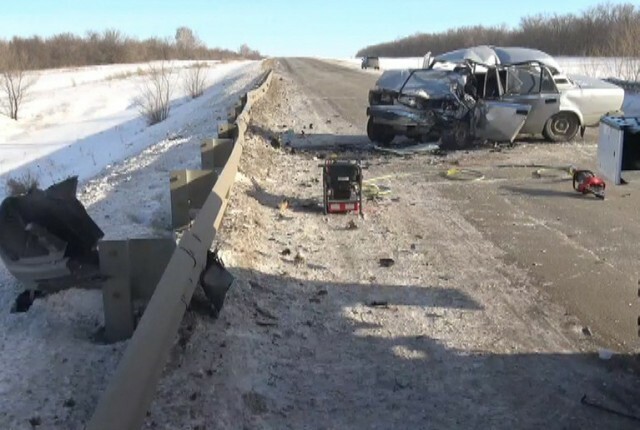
(605, 30)
(112, 47)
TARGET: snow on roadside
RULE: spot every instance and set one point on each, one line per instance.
(77, 129)
(50, 370)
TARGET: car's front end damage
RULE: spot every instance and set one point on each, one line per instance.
(438, 104)
(486, 93)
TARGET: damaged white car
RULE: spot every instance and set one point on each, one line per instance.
(487, 93)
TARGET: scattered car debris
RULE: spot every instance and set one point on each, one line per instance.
(48, 241)
(263, 323)
(487, 93)
(299, 258)
(275, 143)
(283, 205)
(378, 304)
(215, 281)
(409, 150)
(387, 262)
(25, 299)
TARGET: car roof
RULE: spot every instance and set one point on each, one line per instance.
(491, 55)
(515, 55)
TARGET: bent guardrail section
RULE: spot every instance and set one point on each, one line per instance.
(125, 401)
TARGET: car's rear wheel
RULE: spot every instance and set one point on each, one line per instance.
(379, 133)
(561, 127)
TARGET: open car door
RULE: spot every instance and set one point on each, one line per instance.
(499, 121)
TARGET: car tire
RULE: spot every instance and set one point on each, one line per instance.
(379, 133)
(561, 127)
(458, 137)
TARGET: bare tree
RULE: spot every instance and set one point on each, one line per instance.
(195, 80)
(154, 101)
(187, 42)
(14, 79)
(246, 52)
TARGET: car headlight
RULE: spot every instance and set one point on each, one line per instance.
(408, 101)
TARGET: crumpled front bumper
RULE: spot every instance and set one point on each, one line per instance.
(401, 116)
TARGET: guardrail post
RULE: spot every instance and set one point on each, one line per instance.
(227, 130)
(116, 290)
(133, 268)
(234, 111)
(189, 190)
(214, 153)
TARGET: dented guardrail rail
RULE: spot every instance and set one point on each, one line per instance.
(125, 401)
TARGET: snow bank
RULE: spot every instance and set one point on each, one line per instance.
(76, 122)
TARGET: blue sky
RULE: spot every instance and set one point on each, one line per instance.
(329, 28)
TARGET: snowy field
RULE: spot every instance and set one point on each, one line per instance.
(84, 122)
(602, 68)
(77, 121)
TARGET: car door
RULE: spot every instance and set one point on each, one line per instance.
(499, 121)
(532, 84)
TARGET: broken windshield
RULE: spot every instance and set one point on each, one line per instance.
(430, 83)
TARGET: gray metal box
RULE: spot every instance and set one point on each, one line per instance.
(618, 146)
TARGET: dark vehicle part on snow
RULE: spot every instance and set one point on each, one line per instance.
(215, 281)
(453, 97)
(47, 239)
(342, 186)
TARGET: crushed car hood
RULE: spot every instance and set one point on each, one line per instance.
(431, 84)
(427, 84)
(392, 80)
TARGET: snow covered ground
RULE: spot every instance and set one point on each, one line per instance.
(50, 370)
(77, 121)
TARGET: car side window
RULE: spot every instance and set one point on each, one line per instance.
(523, 80)
(548, 85)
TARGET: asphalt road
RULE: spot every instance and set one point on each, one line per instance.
(580, 251)
(333, 87)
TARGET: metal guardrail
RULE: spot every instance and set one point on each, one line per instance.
(125, 401)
